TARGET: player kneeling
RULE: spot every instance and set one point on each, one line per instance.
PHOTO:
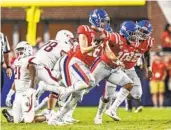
(25, 73)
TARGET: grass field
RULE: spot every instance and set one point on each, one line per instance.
(149, 119)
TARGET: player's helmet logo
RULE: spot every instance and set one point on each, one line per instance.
(99, 18)
(23, 49)
(144, 29)
(128, 30)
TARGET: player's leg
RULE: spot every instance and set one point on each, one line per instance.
(81, 77)
(122, 80)
(43, 86)
(28, 105)
(161, 93)
(104, 101)
(70, 104)
(42, 105)
(46, 75)
(136, 91)
(17, 108)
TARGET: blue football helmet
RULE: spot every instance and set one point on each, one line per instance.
(108, 28)
(97, 17)
(144, 29)
(128, 30)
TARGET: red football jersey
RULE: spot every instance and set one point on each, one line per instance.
(90, 34)
(158, 69)
(128, 54)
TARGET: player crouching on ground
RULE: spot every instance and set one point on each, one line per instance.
(25, 81)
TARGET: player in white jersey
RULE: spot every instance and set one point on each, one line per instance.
(51, 52)
(25, 81)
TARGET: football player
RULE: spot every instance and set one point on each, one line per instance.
(129, 54)
(144, 31)
(25, 81)
(81, 77)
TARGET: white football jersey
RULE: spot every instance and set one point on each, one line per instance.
(22, 75)
(49, 54)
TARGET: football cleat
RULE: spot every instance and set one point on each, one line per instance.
(98, 120)
(6, 114)
(138, 109)
(71, 120)
(113, 115)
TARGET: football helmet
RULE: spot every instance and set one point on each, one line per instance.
(144, 29)
(23, 49)
(128, 30)
(97, 17)
(66, 39)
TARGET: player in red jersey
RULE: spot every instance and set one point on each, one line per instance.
(79, 64)
(128, 53)
(88, 37)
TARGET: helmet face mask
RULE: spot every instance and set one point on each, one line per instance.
(23, 49)
(144, 29)
(128, 30)
(132, 37)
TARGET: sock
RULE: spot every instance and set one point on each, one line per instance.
(137, 103)
(42, 104)
(123, 93)
(101, 108)
(10, 93)
(66, 108)
(70, 113)
(129, 101)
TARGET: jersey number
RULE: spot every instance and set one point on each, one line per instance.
(17, 72)
(130, 57)
(50, 46)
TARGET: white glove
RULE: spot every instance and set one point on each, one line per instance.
(8, 102)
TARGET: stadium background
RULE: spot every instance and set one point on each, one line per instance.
(54, 19)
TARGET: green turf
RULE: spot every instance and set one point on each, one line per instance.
(149, 119)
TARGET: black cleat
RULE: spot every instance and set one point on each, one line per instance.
(8, 117)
